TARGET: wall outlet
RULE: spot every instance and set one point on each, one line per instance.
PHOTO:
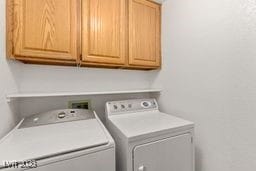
(81, 104)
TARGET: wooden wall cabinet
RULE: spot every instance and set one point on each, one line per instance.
(144, 33)
(99, 33)
(45, 30)
(104, 31)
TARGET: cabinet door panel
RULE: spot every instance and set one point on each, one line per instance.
(103, 31)
(144, 33)
(45, 29)
(172, 154)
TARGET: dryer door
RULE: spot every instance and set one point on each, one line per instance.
(172, 154)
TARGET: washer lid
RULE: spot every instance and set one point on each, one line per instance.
(51, 140)
(147, 124)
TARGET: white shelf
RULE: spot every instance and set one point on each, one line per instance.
(11, 97)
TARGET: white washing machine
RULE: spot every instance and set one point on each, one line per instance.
(62, 140)
(148, 140)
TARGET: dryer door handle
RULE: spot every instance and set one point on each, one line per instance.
(142, 168)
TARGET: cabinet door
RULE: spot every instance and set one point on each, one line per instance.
(144, 33)
(45, 29)
(173, 154)
(104, 31)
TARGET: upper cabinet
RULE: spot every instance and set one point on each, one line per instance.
(99, 33)
(45, 30)
(144, 33)
(104, 31)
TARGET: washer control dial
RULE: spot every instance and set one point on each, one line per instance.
(36, 120)
(61, 115)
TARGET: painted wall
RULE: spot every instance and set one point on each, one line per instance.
(208, 76)
(8, 80)
(39, 78)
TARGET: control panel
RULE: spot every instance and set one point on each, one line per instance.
(57, 116)
(128, 106)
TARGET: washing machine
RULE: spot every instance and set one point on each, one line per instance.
(61, 140)
(147, 139)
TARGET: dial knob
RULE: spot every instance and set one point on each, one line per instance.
(35, 120)
(61, 115)
(115, 107)
(142, 168)
(146, 104)
(122, 106)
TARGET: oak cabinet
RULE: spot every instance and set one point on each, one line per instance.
(103, 31)
(98, 33)
(144, 33)
(45, 30)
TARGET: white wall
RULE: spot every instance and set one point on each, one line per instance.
(8, 80)
(209, 77)
(41, 78)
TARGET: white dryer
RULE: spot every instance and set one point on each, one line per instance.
(62, 140)
(148, 140)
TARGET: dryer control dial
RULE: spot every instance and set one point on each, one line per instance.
(146, 104)
(122, 106)
(115, 107)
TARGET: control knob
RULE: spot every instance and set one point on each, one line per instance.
(61, 115)
(146, 104)
(122, 106)
(115, 107)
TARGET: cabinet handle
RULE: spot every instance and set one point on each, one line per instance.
(142, 168)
